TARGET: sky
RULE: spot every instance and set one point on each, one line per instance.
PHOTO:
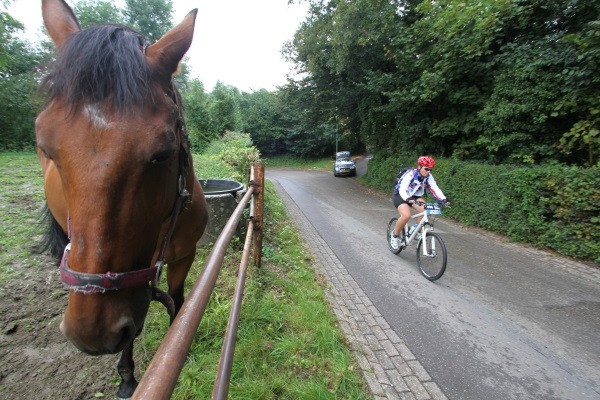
(237, 42)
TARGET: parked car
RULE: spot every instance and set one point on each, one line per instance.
(342, 154)
(344, 166)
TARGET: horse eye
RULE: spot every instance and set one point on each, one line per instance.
(44, 153)
(162, 157)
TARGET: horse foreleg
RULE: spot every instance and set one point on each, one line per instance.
(126, 369)
(176, 274)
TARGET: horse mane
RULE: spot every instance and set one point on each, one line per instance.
(100, 63)
(53, 239)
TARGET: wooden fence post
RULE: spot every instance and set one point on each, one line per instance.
(259, 191)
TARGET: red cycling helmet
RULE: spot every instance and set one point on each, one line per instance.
(426, 161)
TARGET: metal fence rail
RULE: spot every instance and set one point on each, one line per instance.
(161, 376)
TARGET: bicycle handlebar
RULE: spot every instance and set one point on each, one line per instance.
(433, 205)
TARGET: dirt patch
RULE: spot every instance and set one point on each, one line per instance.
(38, 362)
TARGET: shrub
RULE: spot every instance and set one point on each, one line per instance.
(549, 205)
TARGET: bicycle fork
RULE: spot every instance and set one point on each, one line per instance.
(428, 250)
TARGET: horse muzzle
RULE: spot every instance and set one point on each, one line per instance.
(96, 343)
(104, 323)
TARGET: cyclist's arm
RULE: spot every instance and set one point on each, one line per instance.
(434, 189)
(404, 185)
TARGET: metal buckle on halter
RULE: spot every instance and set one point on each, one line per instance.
(183, 192)
(159, 264)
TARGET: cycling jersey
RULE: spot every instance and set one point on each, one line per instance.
(412, 184)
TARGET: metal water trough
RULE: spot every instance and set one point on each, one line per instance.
(212, 187)
(222, 197)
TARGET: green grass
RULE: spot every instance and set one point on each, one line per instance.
(292, 162)
(288, 346)
(21, 198)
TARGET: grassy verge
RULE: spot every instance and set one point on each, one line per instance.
(292, 162)
(21, 196)
(289, 345)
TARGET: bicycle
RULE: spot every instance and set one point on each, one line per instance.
(432, 255)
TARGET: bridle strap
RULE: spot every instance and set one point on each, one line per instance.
(99, 283)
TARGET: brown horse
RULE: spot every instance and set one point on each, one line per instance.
(118, 178)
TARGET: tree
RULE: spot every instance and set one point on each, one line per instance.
(18, 61)
(338, 48)
(581, 85)
(498, 80)
(197, 115)
(225, 109)
(95, 12)
(152, 18)
(263, 120)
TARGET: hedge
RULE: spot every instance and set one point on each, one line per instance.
(551, 206)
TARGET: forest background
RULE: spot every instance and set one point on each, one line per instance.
(491, 87)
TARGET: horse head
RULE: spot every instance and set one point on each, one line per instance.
(118, 173)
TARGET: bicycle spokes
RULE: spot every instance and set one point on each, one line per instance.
(431, 256)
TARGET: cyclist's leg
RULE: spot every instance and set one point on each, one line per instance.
(397, 200)
(419, 208)
(404, 212)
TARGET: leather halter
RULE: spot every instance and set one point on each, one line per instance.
(109, 281)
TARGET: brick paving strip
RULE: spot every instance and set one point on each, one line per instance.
(387, 364)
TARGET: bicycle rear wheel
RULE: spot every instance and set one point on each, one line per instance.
(433, 263)
(390, 228)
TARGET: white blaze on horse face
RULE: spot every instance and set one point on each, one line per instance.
(96, 116)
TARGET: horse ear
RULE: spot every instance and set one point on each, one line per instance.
(59, 20)
(164, 55)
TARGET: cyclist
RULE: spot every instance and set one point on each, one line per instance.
(411, 188)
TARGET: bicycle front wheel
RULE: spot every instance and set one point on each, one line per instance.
(432, 261)
(390, 228)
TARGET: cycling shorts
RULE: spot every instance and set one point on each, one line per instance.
(398, 200)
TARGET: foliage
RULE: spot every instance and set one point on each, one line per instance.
(18, 74)
(264, 119)
(299, 163)
(18, 112)
(197, 115)
(549, 205)
(224, 109)
(152, 18)
(95, 12)
(500, 81)
(582, 83)
(229, 157)
(239, 153)
(503, 81)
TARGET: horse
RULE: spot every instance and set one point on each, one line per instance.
(119, 182)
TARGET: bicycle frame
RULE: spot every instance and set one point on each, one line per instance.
(422, 225)
(432, 255)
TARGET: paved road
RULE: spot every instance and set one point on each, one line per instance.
(504, 322)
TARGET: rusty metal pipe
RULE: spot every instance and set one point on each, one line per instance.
(161, 376)
(221, 386)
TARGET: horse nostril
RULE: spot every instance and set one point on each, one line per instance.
(125, 334)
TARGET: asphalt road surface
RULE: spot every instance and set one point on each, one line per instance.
(504, 322)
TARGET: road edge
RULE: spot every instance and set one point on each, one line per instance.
(386, 363)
